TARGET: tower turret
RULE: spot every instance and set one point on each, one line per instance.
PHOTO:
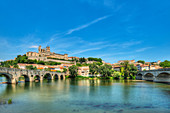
(39, 49)
(48, 48)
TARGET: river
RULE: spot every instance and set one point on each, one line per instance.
(86, 96)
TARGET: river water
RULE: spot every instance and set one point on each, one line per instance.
(86, 96)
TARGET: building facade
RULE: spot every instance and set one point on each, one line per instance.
(44, 54)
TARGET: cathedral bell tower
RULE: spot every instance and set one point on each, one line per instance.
(48, 48)
(39, 49)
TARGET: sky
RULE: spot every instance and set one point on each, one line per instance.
(109, 29)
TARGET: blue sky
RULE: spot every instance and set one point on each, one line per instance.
(110, 29)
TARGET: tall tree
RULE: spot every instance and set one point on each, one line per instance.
(73, 71)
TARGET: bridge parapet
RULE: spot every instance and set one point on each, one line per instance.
(14, 74)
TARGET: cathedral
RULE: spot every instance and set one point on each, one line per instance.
(44, 54)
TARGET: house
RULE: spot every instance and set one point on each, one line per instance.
(83, 71)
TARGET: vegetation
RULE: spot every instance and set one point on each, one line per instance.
(58, 59)
(81, 60)
(64, 70)
(141, 61)
(73, 71)
(24, 59)
(165, 64)
(95, 59)
(31, 67)
(9, 101)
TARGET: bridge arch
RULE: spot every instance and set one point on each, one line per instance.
(139, 76)
(36, 78)
(7, 76)
(56, 76)
(62, 76)
(47, 76)
(148, 76)
(26, 78)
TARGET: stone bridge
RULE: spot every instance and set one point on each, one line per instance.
(160, 75)
(13, 75)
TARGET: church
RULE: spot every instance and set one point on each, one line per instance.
(44, 54)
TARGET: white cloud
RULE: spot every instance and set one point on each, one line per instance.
(34, 46)
(86, 25)
(85, 50)
(143, 49)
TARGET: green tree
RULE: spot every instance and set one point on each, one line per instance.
(116, 75)
(81, 60)
(31, 67)
(105, 70)
(93, 68)
(165, 64)
(73, 71)
(64, 70)
(141, 61)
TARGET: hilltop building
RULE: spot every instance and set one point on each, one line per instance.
(44, 54)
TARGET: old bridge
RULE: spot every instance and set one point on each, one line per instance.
(13, 75)
(160, 75)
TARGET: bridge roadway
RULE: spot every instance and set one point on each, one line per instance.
(160, 75)
(13, 75)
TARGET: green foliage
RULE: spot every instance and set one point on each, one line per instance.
(9, 101)
(73, 71)
(165, 64)
(31, 67)
(116, 75)
(129, 70)
(64, 70)
(81, 60)
(58, 59)
(93, 68)
(141, 61)
(95, 59)
(105, 70)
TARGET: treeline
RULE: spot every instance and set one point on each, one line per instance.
(127, 71)
(95, 59)
(24, 59)
(165, 64)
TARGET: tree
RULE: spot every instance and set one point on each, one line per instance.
(16, 66)
(105, 70)
(93, 68)
(31, 67)
(81, 60)
(73, 71)
(116, 75)
(165, 64)
(126, 66)
(141, 61)
(64, 70)
(133, 71)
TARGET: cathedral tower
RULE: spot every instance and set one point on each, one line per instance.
(48, 48)
(39, 49)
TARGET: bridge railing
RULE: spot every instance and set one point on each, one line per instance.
(14, 69)
(164, 69)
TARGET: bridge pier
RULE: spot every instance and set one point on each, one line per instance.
(13, 81)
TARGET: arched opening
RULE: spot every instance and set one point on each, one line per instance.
(149, 76)
(56, 76)
(163, 76)
(47, 76)
(62, 77)
(4, 78)
(36, 78)
(139, 76)
(24, 78)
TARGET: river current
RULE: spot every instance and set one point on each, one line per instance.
(85, 96)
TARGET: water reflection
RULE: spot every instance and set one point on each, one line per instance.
(86, 96)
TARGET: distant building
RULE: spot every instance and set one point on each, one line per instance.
(44, 54)
(83, 71)
(130, 61)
